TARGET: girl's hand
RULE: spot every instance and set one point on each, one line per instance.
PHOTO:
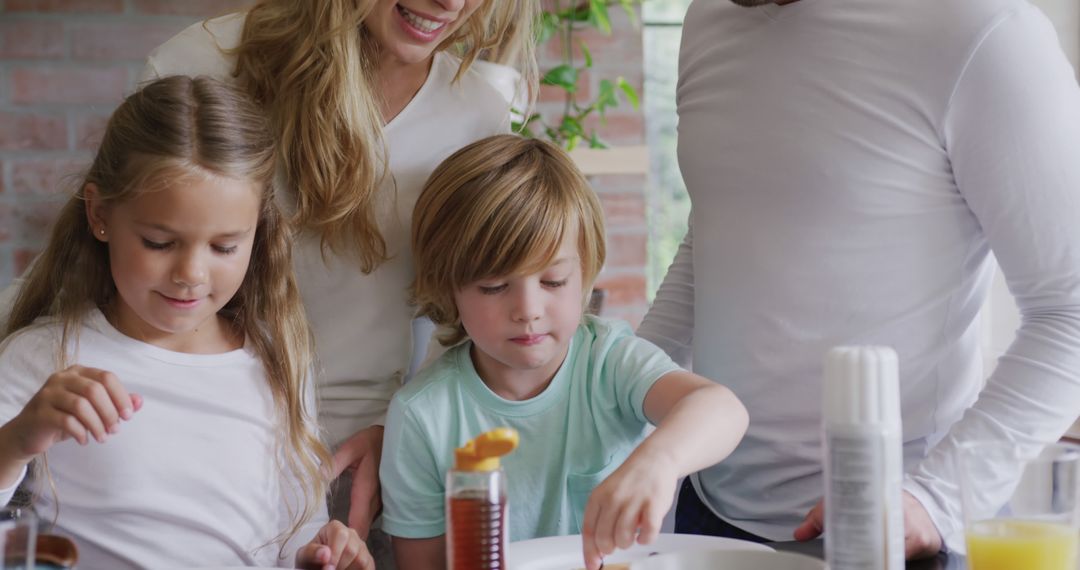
(336, 547)
(628, 506)
(77, 403)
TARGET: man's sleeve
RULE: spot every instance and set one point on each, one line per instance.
(1012, 130)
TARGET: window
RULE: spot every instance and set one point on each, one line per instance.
(667, 203)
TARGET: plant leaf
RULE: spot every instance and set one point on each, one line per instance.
(598, 16)
(606, 97)
(547, 27)
(585, 52)
(571, 126)
(564, 76)
(628, 7)
(629, 91)
(576, 13)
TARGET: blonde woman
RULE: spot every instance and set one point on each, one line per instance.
(367, 97)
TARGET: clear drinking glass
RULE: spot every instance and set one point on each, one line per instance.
(18, 538)
(1020, 509)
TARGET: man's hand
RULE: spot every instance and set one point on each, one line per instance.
(361, 455)
(921, 537)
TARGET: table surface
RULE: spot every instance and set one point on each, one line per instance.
(816, 548)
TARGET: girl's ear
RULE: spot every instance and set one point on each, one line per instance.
(96, 212)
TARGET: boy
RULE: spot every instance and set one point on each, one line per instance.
(507, 240)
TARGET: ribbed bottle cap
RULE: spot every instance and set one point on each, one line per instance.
(861, 386)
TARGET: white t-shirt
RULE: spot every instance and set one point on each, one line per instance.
(362, 322)
(852, 166)
(193, 479)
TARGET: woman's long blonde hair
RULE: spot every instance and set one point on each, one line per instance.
(171, 129)
(313, 65)
(499, 206)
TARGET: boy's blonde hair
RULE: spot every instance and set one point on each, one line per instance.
(170, 131)
(498, 207)
(313, 64)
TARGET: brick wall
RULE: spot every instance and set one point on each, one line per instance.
(65, 64)
(623, 195)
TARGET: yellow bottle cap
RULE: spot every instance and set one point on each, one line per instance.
(483, 453)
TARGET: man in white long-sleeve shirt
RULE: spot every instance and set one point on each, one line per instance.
(852, 165)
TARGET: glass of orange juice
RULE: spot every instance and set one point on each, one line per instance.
(1021, 507)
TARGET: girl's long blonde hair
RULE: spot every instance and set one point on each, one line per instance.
(313, 65)
(173, 128)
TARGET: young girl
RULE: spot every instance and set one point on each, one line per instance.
(507, 240)
(165, 299)
(366, 97)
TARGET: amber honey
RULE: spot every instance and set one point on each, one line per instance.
(477, 535)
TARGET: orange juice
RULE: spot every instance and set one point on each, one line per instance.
(1002, 544)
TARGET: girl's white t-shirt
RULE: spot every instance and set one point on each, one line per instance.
(193, 479)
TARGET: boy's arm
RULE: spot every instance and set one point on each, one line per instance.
(420, 553)
(698, 423)
(692, 432)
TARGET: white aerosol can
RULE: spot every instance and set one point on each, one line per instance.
(864, 519)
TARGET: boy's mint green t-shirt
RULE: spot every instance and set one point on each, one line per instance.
(573, 435)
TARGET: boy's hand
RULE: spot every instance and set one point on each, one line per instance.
(79, 403)
(335, 547)
(628, 506)
(362, 454)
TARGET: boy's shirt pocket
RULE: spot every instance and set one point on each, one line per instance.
(579, 487)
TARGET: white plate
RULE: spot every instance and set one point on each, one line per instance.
(564, 552)
(730, 560)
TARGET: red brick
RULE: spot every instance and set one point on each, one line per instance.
(624, 290)
(22, 258)
(626, 249)
(198, 8)
(96, 6)
(119, 40)
(45, 177)
(31, 86)
(632, 315)
(619, 42)
(553, 94)
(31, 40)
(29, 131)
(5, 222)
(88, 131)
(619, 127)
(31, 221)
(623, 209)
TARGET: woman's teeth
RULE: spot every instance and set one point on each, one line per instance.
(419, 23)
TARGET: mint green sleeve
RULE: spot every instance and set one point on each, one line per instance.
(413, 486)
(632, 366)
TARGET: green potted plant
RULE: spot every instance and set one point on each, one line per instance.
(562, 21)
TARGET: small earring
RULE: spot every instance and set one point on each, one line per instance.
(101, 231)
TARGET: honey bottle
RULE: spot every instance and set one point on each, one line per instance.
(477, 526)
